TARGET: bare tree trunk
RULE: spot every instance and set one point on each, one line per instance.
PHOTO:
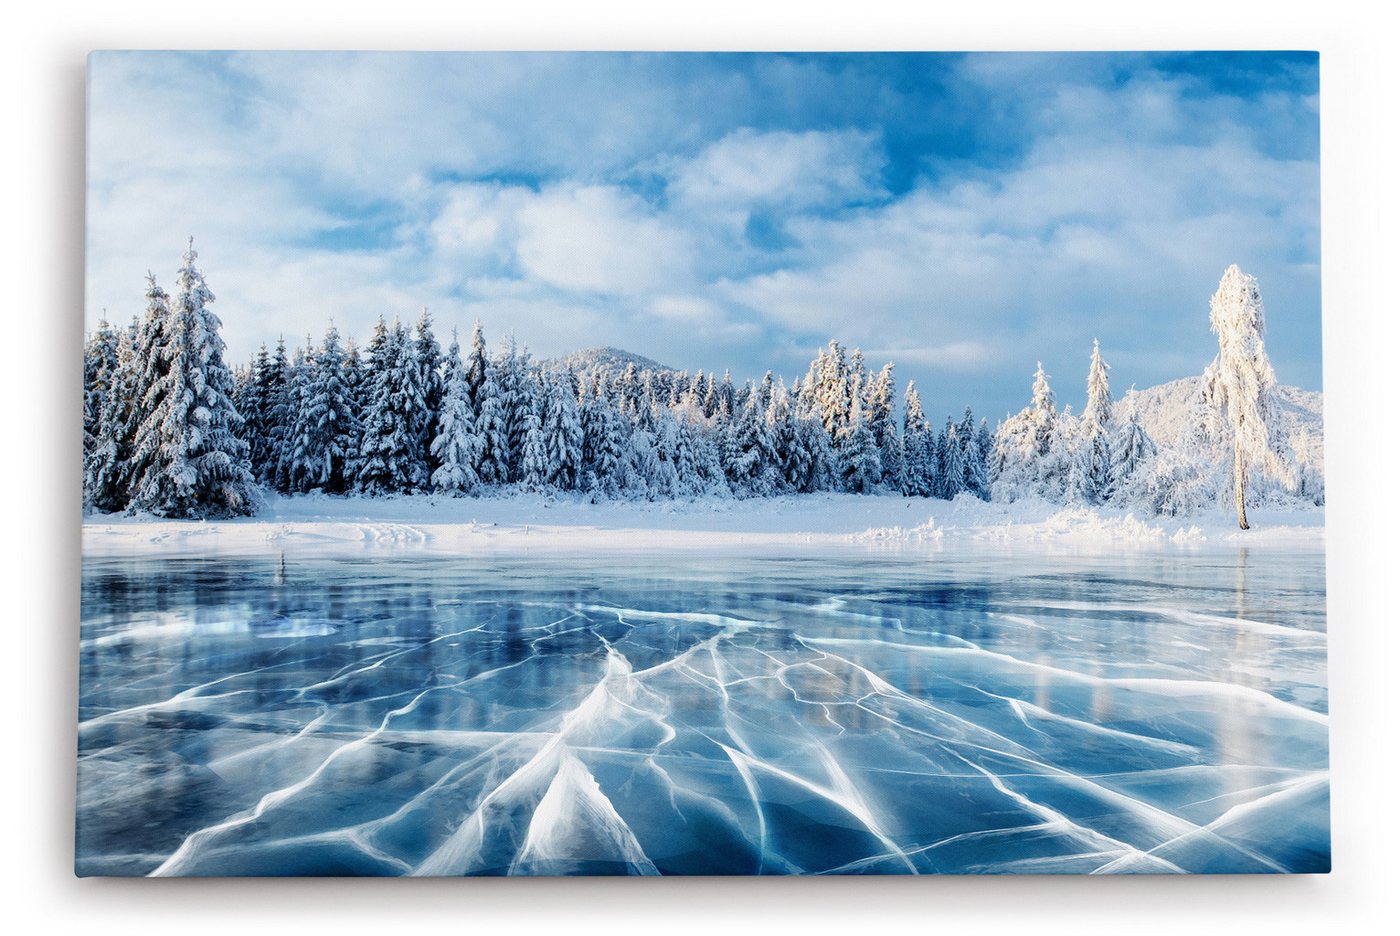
(1239, 486)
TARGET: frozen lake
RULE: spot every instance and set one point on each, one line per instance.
(834, 710)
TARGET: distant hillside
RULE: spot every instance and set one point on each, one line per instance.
(1164, 410)
(611, 360)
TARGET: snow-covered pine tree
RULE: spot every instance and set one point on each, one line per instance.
(491, 427)
(727, 397)
(1242, 383)
(1132, 447)
(390, 459)
(456, 446)
(974, 479)
(563, 431)
(753, 467)
(427, 354)
(517, 398)
(151, 363)
(355, 398)
(99, 369)
(274, 424)
(612, 465)
(1042, 412)
(858, 457)
(986, 443)
(883, 427)
(832, 391)
(1058, 468)
(534, 452)
(476, 367)
(794, 459)
(952, 465)
(194, 462)
(106, 477)
(332, 430)
(252, 405)
(915, 440)
(300, 462)
(680, 444)
(1094, 458)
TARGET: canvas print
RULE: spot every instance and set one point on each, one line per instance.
(702, 464)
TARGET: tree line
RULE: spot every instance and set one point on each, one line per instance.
(171, 429)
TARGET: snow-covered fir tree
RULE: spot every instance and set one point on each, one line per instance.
(427, 355)
(276, 414)
(331, 430)
(1042, 411)
(534, 450)
(494, 464)
(99, 369)
(476, 367)
(355, 399)
(1094, 461)
(884, 428)
(193, 461)
(1240, 384)
(858, 457)
(563, 432)
(952, 463)
(752, 463)
(919, 451)
(1057, 479)
(299, 461)
(517, 401)
(1132, 447)
(456, 446)
(974, 461)
(390, 459)
(106, 470)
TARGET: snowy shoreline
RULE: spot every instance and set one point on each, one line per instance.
(564, 523)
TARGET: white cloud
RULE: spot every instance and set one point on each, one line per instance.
(789, 171)
(600, 239)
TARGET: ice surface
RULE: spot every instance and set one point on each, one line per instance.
(822, 711)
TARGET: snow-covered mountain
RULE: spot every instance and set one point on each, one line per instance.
(609, 359)
(1164, 410)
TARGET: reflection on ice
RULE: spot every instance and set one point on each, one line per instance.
(810, 713)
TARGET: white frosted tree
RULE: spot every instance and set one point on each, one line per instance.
(883, 426)
(858, 457)
(390, 459)
(427, 354)
(456, 446)
(106, 479)
(534, 453)
(952, 464)
(277, 414)
(1094, 461)
(973, 458)
(335, 432)
(1057, 479)
(563, 432)
(918, 447)
(1042, 411)
(516, 393)
(1132, 447)
(1240, 383)
(197, 463)
(301, 463)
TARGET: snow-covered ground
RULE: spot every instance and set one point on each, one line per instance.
(569, 523)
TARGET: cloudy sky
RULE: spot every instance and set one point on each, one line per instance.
(962, 216)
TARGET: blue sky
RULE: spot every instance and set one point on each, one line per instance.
(961, 215)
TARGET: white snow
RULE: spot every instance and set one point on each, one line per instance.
(512, 522)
